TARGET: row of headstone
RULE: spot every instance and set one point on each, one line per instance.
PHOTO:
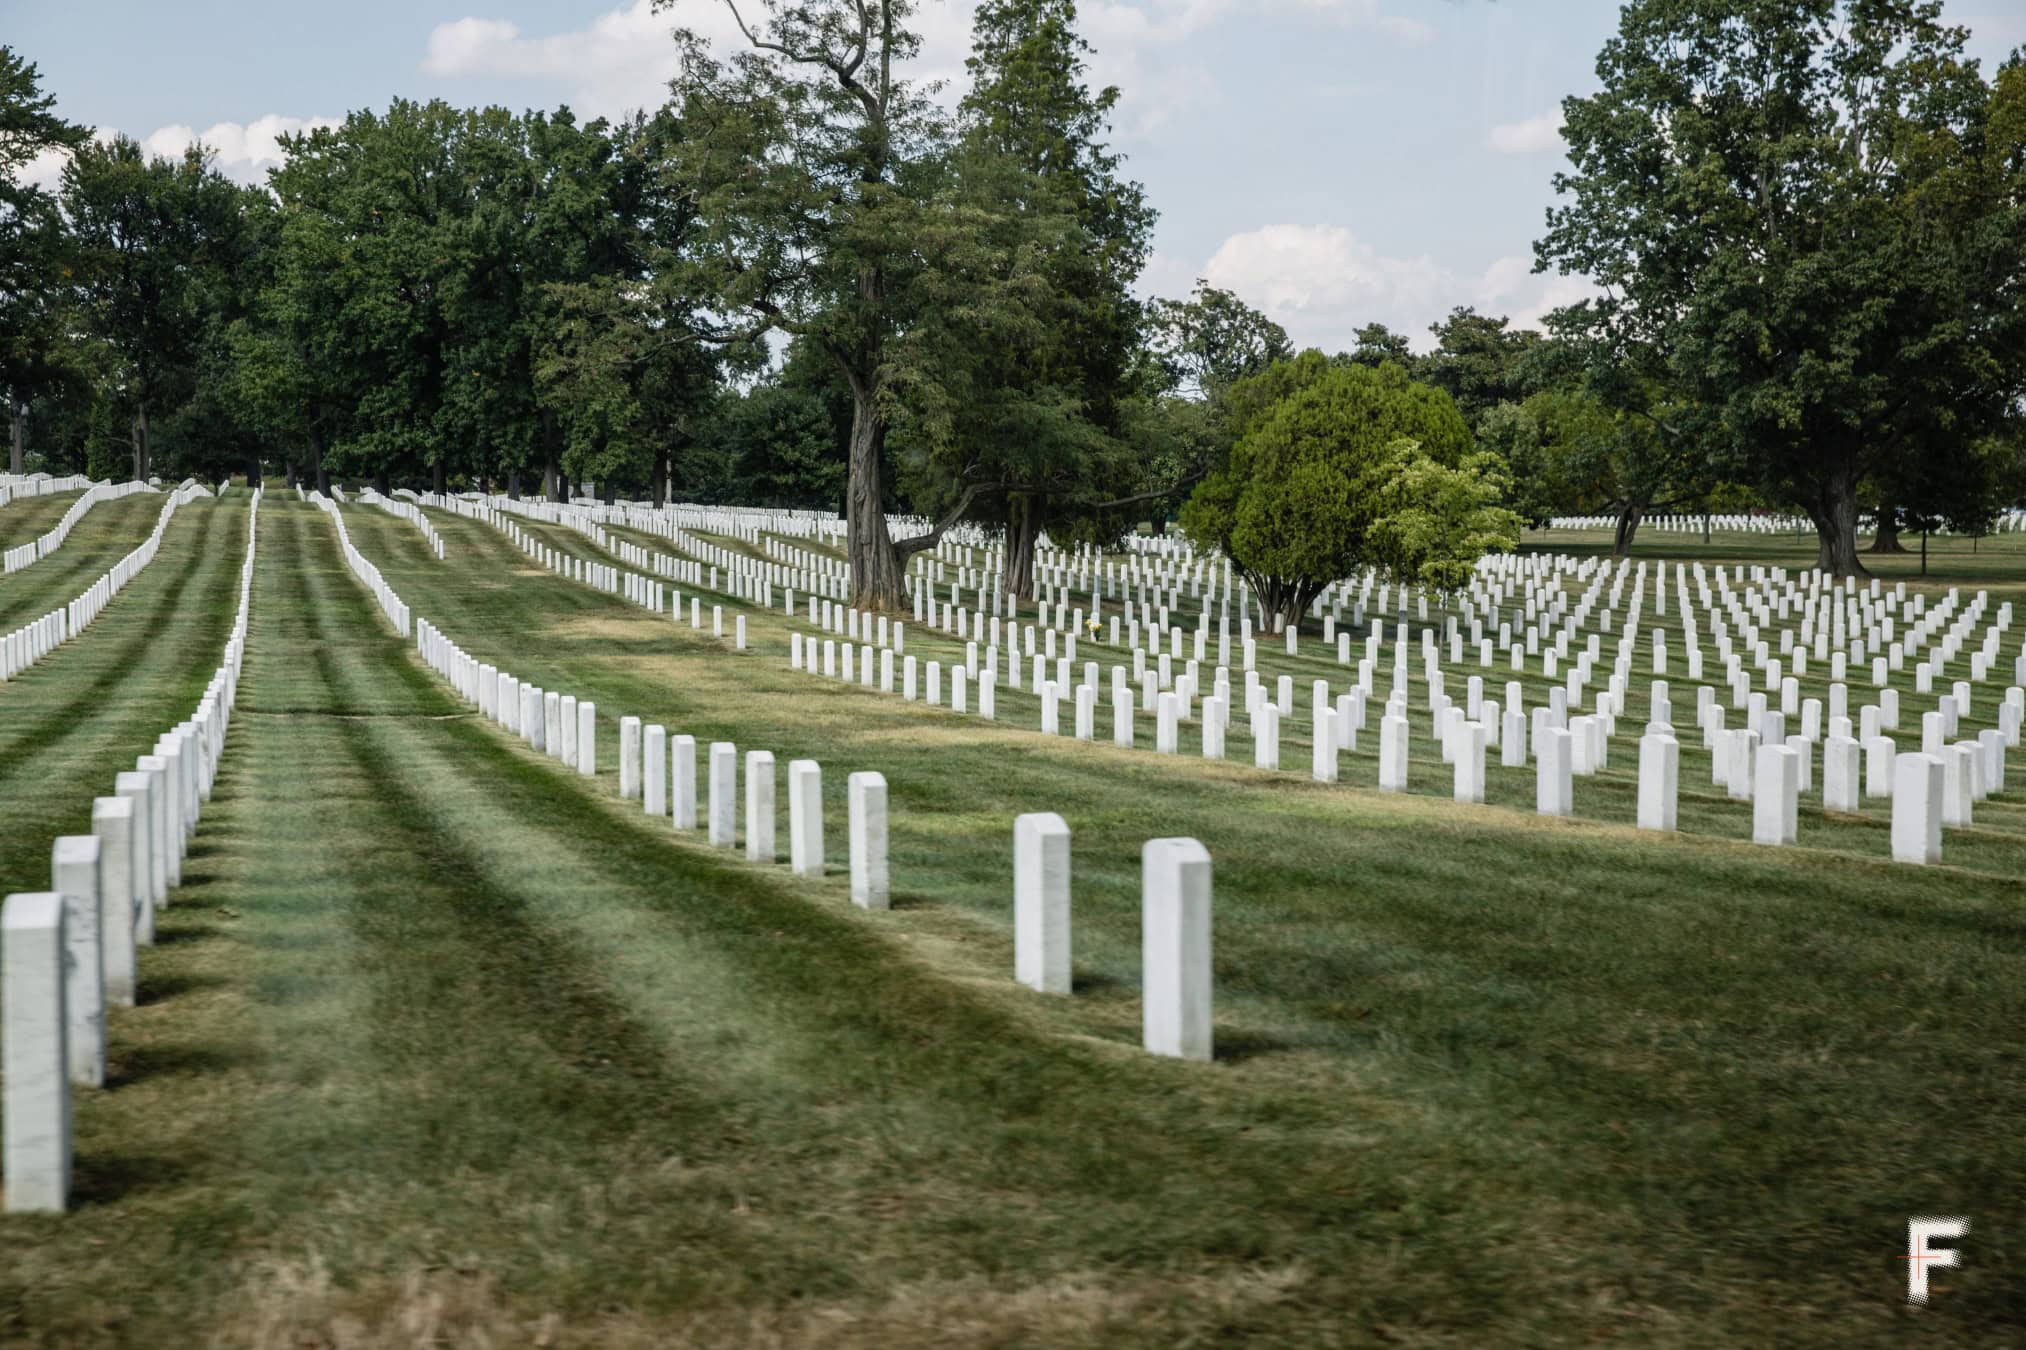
(1771, 776)
(642, 590)
(362, 567)
(1569, 750)
(1586, 756)
(14, 487)
(37, 638)
(34, 551)
(72, 951)
(409, 512)
(660, 770)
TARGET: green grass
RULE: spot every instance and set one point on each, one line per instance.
(443, 1045)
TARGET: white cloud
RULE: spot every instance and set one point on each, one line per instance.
(620, 61)
(623, 59)
(1529, 136)
(243, 151)
(1322, 283)
(45, 169)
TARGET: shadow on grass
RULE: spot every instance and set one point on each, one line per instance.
(137, 1064)
(108, 1178)
(184, 933)
(163, 988)
(1235, 1047)
(1091, 982)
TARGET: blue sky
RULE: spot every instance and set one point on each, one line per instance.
(1335, 162)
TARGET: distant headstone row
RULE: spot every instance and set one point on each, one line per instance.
(37, 638)
(14, 487)
(25, 555)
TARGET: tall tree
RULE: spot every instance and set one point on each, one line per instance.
(1049, 415)
(819, 177)
(1811, 210)
(1212, 340)
(33, 245)
(622, 377)
(1377, 344)
(155, 238)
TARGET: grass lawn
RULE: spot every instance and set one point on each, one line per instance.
(443, 1045)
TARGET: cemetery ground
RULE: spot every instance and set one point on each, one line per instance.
(441, 1044)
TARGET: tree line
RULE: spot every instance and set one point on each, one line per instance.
(806, 281)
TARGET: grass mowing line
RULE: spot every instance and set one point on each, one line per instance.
(1563, 912)
(1576, 1072)
(729, 912)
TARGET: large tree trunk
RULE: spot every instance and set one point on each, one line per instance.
(657, 484)
(141, 448)
(1023, 533)
(1834, 513)
(441, 484)
(1887, 538)
(381, 484)
(877, 575)
(552, 488)
(514, 485)
(1628, 525)
(252, 470)
(323, 480)
(17, 446)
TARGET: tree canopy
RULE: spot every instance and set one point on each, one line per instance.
(1336, 467)
(1807, 220)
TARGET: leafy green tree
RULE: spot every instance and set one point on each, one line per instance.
(779, 446)
(156, 241)
(1047, 412)
(34, 251)
(1212, 340)
(1438, 519)
(1478, 360)
(1536, 488)
(1377, 344)
(1810, 212)
(827, 209)
(216, 431)
(1313, 472)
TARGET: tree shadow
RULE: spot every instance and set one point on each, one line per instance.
(1092, 983)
